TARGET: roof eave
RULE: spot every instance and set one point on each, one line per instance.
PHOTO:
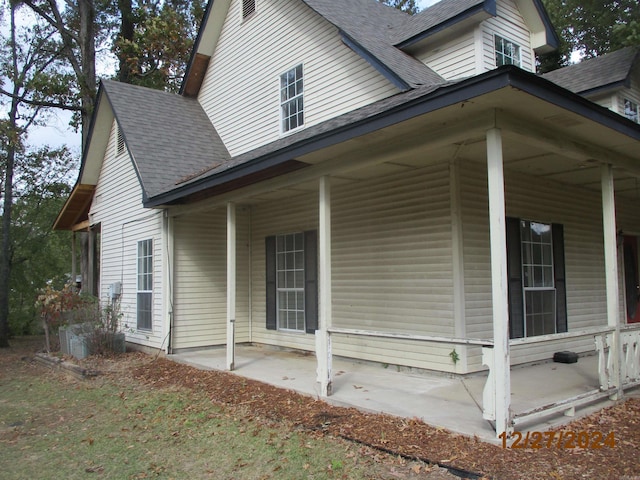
(481, 11)
(383, 69)
(440, 98)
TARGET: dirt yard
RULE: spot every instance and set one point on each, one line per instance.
(605, 444)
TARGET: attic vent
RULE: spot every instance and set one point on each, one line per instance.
(248, 8)
(120, 140)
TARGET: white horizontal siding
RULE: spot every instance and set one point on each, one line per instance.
(580, 212)
(453, 59)
(240, 92)
(200, 291)
(117, 207)
(291, 215)
(391, 261)
(510, 25)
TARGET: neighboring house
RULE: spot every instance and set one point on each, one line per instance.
(342, 177)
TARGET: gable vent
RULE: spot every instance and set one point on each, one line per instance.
(248, 8)
(120, 142)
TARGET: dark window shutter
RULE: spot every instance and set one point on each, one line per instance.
(557, 232)
(514, 273)
(270, 260)
(311, 280)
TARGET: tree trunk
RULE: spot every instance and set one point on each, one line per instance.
(127, 29)
(87, 14)
(7, 201)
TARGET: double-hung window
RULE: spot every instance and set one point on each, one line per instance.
(537, 290)
(145, 285)
(631, 110)
(507, 52)
(292, 99)
(291, 274)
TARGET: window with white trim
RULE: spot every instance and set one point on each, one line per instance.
(290, 281)
(631, 110)
(507, 52)
(144, 309)
(537, 280)
(292, 99)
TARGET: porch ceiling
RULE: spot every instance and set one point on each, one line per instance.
(550, 142)
(541, 137)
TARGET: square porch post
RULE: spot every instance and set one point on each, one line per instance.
(167, 278)
(231, 285)
(323, 338)
(611, 272)
(499, 283)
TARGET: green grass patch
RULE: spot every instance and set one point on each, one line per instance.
(52, 427)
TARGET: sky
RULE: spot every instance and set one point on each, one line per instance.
(58, 133)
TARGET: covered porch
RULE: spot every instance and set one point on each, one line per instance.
(454, 403)
(420, 204)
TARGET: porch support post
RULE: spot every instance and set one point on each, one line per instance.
(167, 278)
(499, 283)
(323, 337)
(611, 272)
(231, 285)
(74, 263)
(91, 265)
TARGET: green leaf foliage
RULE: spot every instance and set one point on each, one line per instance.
(591, 28)
(408, 6)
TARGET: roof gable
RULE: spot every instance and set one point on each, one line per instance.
(167, 135)
(610, 71)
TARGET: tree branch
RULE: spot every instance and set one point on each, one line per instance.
(40, 103)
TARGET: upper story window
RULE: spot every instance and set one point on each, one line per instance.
(248, 8)
(631, 110)
(291, 99)
(507, 52)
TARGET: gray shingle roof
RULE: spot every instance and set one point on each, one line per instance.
(432, 17)
(610, 70)
(167, 135)
(369, 23)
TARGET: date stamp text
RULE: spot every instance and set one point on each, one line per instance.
(561, 439)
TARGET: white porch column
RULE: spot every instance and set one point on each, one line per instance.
(611, 271)
(167, 278)
(323, 338)
(499, 282)
(231, 285)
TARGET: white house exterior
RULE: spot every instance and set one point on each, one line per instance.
(342, 178)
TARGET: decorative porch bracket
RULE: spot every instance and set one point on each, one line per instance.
(323, 338)
(501, 363)
(231, 285)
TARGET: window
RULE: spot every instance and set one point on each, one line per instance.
(535, 265)
(145, 284)
(631, 110)
(291, 99)
(291, 273)
(248, 8)
(507, 52)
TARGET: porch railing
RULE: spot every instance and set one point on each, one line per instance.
(629, 358)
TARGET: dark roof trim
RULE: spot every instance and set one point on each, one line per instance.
(605, 88)
(488, 6)
(196, 44)
(92, 124)
(552, 35)
(389, 74)
(445, 96)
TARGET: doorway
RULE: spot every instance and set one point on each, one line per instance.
(631, 278)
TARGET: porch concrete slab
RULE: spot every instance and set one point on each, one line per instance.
(439, 400)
